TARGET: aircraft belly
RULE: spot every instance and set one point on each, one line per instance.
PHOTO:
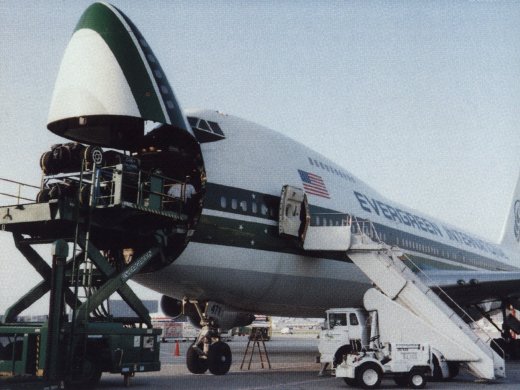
(260, 281)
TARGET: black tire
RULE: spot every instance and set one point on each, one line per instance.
(93, 155)
(195, 363)
(369, 376)
(85, 376)
(219, 358)
(47, 163)
(338, 356)
(84, 195)
(55, 191)
(416, 379)
(350, 381)
(43, 196)
(453, 368)
(401, 381)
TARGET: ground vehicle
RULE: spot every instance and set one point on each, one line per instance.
(349, 331)
(408, 363)
(344, 332)
(175, 329)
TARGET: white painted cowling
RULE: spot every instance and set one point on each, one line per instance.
(109, 83)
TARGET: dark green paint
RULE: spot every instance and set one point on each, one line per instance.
(100, 18)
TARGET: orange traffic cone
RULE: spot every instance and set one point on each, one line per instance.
(177, 349)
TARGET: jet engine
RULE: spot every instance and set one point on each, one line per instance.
(223, 316)
(171, 307)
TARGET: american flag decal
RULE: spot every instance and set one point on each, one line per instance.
(313, 184)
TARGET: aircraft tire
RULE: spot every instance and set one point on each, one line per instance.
(43, 196)
(47, 163)
(219, 358)
(195, 364)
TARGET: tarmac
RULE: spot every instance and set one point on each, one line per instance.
(293, 367)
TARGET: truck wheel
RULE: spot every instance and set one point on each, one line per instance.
(219, 358)
(340, 353)
(416, 379)
(368, 376)
(85, 375)
(195, 363)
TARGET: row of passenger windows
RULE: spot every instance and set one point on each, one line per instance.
(330, 169)
(246, 206)
(419, 247)
(262, 209)
(327, 221)
(453, 255)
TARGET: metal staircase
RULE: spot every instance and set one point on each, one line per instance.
(401, 286)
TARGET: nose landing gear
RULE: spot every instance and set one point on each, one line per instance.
(208, 351)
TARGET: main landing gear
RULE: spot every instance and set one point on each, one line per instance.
(208, 351)
(508, 345)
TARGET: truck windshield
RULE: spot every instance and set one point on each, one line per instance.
(337, 319)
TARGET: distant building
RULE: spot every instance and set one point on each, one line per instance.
(119, 308)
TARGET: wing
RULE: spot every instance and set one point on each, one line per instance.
(470, 288)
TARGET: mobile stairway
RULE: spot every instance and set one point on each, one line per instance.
(408, 309)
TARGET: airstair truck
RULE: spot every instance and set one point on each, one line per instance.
(408, 309)
(349, 343)
(399, 292)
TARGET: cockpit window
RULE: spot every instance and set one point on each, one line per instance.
(192, 121)
(206, 131)
(216, 128)
(203, 125)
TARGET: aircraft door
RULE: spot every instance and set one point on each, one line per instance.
(294, 216)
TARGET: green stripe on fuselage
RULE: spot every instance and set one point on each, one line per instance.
(254, 235)
(101, 19)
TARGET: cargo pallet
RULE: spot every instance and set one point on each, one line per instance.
(73, 350)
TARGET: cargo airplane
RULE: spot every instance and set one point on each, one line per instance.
(232, 260)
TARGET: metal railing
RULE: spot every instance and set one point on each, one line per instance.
(112, 185)
(18, 190)
(366, 228)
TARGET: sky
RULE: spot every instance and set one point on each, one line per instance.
(420, 100)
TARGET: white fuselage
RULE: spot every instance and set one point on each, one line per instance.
(236, 256)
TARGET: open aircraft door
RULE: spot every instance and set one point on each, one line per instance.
(294, 216)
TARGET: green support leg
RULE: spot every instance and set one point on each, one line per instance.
(124, 290)
(27, 301)
(54, 361)
(114, 284)
(41, 288)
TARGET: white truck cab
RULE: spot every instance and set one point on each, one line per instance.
(345, 330)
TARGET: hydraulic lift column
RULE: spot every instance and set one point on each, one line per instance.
(60, 251)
